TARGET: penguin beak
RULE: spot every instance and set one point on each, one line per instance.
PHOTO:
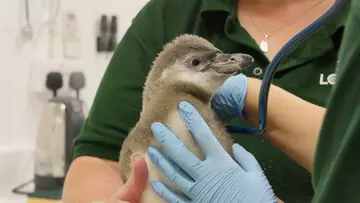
(231, 63)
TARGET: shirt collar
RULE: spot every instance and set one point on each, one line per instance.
(214, 8)
(339, 22)
(326, 39)
(217, 8)
(218, 11)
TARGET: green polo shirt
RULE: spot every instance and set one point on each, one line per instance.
(336, 174)
(308, 73)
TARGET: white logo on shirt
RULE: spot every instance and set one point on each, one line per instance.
(327, 79)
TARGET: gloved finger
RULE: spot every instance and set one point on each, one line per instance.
(175, 148)
(174, 173)
(220, 105)
(200, 130)
(240, 81)
(245, 159)
(228, 100)
(175, 166)
(167, 193)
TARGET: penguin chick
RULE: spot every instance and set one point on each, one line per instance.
(188, 69)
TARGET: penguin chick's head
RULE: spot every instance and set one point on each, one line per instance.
(193, 60)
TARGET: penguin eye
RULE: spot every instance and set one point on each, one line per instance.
(195, 62)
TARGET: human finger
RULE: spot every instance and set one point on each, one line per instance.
(133, 188)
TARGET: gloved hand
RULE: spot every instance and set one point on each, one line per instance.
(216, 179)
(228, 101)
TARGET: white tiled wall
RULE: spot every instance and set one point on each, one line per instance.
(20, 107)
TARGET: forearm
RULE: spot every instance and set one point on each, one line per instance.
(91, 179)
(293, 123)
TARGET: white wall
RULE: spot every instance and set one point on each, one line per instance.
(23, 65)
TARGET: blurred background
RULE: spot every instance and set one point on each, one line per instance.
(49, 51)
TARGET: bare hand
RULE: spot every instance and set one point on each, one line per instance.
(131, 191)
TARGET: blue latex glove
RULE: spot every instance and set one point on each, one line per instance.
(218, 178)
(228, 101)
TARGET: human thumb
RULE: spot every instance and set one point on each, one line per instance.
(133, 188)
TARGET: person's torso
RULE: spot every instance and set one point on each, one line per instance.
(336, 171)
(309, 73)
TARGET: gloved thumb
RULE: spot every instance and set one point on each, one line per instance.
(135, 185)
(228, 101)
(245, 159)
